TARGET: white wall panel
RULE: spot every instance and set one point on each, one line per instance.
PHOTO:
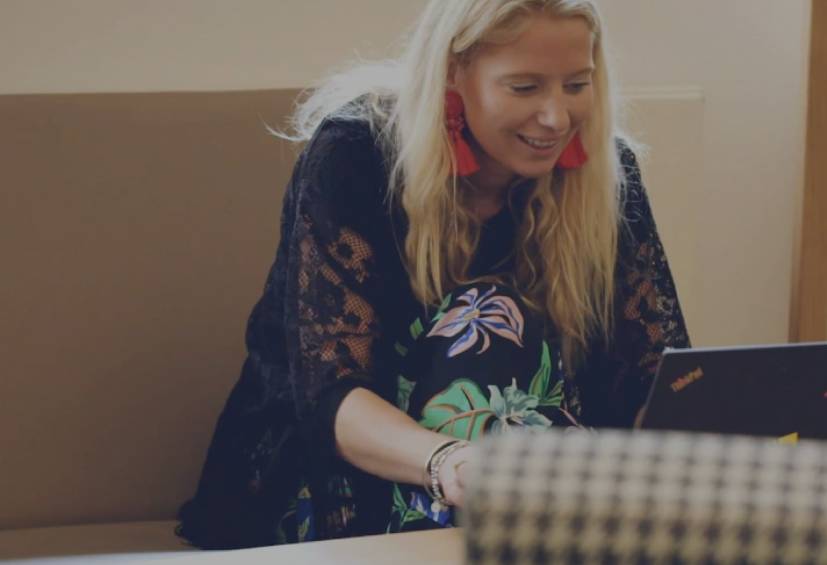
(672, 172)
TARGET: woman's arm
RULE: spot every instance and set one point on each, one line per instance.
(377, 437)
(342, 263)
(649, 314)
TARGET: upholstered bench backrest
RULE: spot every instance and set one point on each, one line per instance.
(137, 230)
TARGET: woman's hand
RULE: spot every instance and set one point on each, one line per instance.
(453, 475)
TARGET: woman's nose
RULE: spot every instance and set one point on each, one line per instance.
(554, 115)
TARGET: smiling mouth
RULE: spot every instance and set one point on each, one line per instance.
(537, 144)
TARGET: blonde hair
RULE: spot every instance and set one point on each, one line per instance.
(566, 248)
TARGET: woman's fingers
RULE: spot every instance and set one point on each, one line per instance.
(460, 472)
(453, 475)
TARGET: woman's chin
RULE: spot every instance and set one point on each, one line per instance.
(535, 170)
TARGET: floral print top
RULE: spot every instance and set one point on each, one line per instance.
(337, 312)
(486, 367)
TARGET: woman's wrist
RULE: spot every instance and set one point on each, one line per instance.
(430, 470)
(441, 473)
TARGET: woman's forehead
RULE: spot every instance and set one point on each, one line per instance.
(552, 46)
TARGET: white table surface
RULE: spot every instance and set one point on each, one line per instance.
(121, 544)
(435, 547)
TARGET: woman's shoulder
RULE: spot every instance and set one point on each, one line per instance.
(342, 170)
(630, 176)
(632, 197)
(635, 209)
(342, 146)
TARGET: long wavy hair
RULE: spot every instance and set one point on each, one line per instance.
(566, 245)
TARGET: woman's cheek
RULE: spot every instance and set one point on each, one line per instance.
(585, 107)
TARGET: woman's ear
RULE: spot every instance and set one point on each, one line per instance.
(451, 78)
(456, 73)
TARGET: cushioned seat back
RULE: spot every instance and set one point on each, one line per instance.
(137, 230)
(646, 497)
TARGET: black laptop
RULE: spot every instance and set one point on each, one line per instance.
(774, 390)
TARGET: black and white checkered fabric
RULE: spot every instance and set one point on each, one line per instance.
(645, 497)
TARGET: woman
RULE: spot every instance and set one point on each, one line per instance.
(466, 247)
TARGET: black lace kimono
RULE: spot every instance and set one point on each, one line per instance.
(335, 314)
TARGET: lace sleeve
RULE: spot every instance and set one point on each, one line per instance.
(311, 332)
(648, 315)
(334, 281)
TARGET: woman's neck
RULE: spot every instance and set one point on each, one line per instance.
(488, 187)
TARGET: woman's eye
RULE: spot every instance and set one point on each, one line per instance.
(576, 87)
(522, 88)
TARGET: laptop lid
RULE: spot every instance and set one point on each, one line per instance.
(771, 390)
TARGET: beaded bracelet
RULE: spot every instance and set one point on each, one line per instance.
(438, 457)
(437, 464)
(426, 475)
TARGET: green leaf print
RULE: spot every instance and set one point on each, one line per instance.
(399, 504)
(442, 308)
(539, 384)
(404, 388)
(303, 529)
(461, 410)
(513, 407)
(497, 400)
(555, 397)
(517, 401)
(416, 328)
(281, 536)
(411, 516)
(535, 420)
(405, 512)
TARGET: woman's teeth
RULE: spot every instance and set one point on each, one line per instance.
(536, 143)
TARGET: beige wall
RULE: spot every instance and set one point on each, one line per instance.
(741, 61)
(748, 59)
(152, 45)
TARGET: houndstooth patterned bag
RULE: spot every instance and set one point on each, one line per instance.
(645, 497)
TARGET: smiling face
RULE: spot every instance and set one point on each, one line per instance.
(525, 100)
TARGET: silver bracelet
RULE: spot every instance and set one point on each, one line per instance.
(426, 475)
(439, 458)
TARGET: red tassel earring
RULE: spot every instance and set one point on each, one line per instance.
(455, 122)
(574, 155)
